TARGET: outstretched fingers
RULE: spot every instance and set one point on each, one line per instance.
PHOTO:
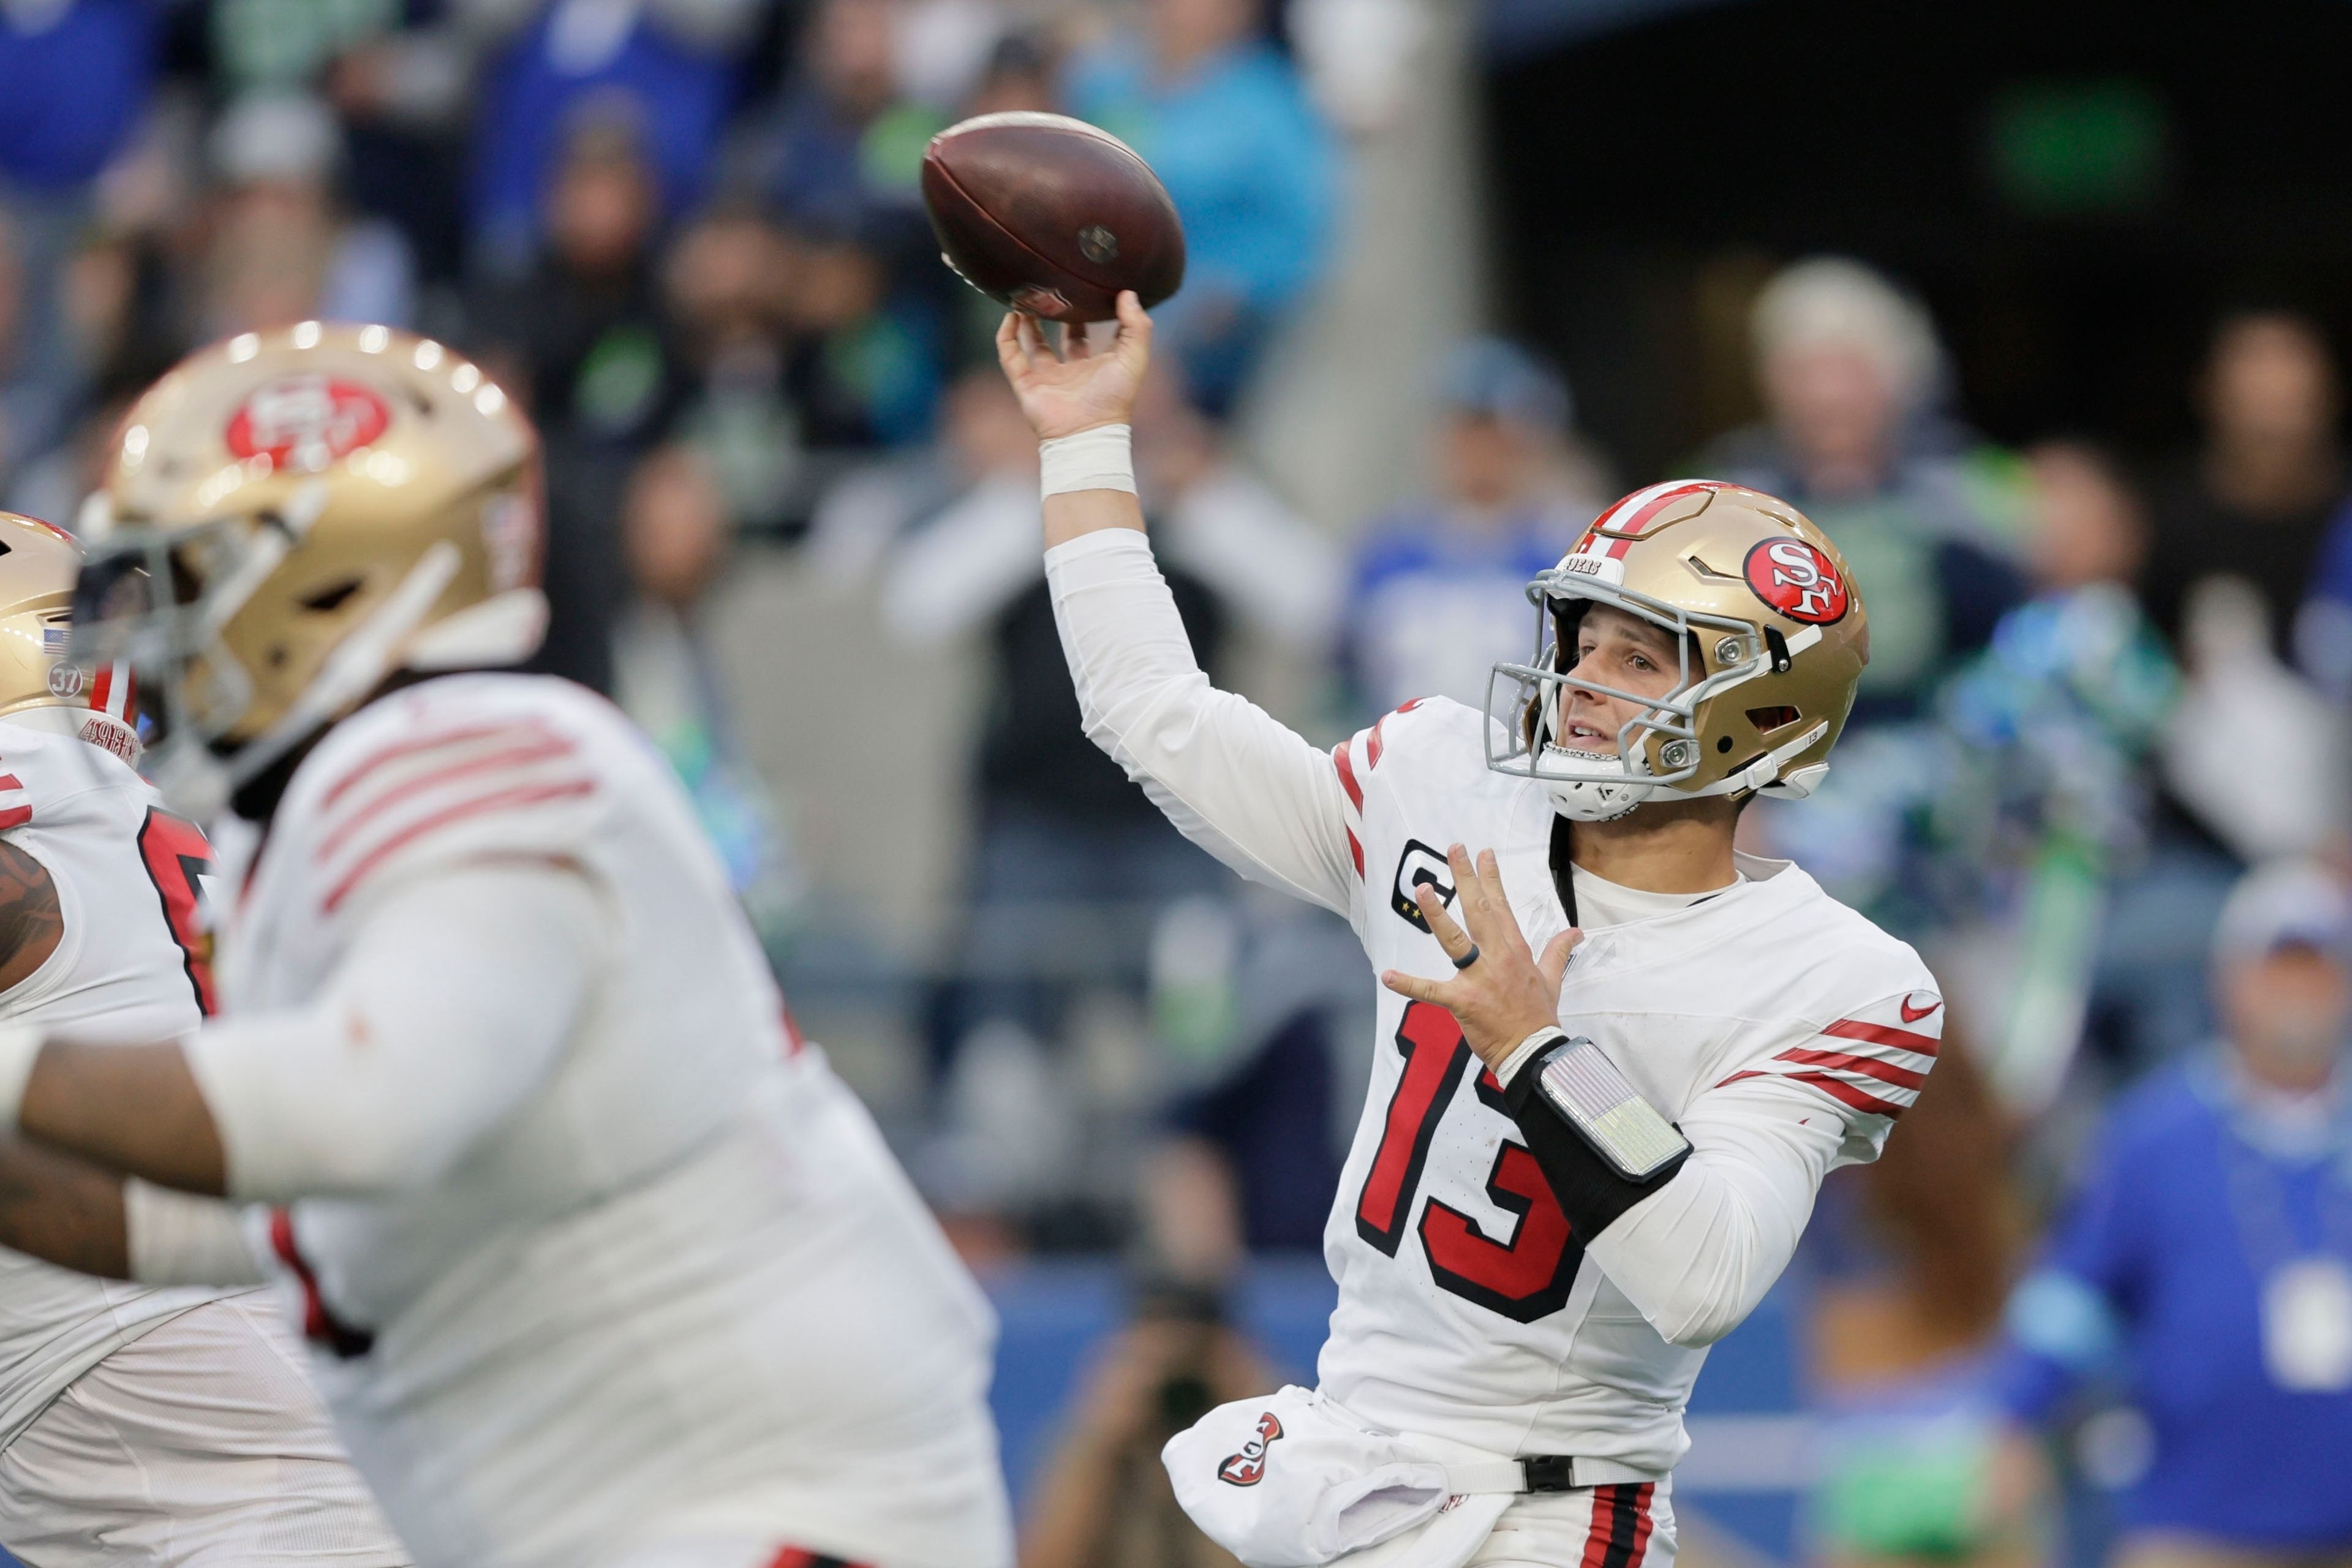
(1437, 992)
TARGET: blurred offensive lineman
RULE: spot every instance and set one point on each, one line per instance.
(1531, 1258)
(599, 1263)
(147, 1427)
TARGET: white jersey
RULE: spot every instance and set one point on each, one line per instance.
(133, 964)
(1466, 1305)
(682, 1288)
(1781, 1031)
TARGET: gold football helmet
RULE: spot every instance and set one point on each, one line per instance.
(290, 518)
(40, 685)
(1772, 637)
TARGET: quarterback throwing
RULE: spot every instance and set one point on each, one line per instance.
(1614, 1059)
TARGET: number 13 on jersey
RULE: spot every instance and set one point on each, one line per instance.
(1526, 1276)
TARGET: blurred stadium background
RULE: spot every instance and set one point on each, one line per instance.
(2038, 309)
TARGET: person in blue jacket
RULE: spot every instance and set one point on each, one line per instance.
(2205, 1265)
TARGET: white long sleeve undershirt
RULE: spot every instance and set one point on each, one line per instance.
(1693, 1257)
(453, 1002)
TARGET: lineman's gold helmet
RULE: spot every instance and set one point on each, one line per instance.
(291, 517)
(1772, 637)
(40, 687)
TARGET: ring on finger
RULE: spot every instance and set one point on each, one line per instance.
(1467, 959)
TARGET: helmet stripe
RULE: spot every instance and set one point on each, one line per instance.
(1636, 517)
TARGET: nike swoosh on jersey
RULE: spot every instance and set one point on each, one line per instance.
(1913, 1014)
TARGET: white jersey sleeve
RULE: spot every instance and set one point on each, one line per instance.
(1232, 778)
(384, 1083)
(1698, 1254)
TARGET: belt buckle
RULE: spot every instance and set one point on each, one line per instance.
(1551, 1472)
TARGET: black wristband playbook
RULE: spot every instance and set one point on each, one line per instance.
(1601, 1148)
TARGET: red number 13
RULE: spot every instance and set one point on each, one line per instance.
(1524, 1277)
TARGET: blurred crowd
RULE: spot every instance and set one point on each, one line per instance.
(2094, 771)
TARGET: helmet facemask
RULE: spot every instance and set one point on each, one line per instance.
(164, 601)
(1659, 748)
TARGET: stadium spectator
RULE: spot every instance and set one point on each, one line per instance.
(582, 339)
(1105, 1501)
(281, 251)
(1849, 370)
(77, 76)
(1220, 113)
(2098, 919)
(676, 529)
(841, 156)
(2254, 500)
(846, 144)
(670, 64)
(1439, 587)
(727, 282)
(2204, 1268)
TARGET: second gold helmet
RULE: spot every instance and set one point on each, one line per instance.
(41, 687)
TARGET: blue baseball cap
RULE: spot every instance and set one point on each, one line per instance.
(1504, 381)
(2288, 903)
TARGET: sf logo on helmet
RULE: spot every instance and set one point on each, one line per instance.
(1799, 581)
(305, 422)
(1247, 1468)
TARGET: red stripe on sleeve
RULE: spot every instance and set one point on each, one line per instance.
(399, 749)
(1356, 850)
(17, 816)
(531, 751)
(1851, 1095)
(1348, 776)
(1883, 1035)
(1735, 1077)
(495, 801)
(10, 781)
(1886, 1072)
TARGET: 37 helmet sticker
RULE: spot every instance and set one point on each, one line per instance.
(305, 422)
(1799, 581)
(1417, 865)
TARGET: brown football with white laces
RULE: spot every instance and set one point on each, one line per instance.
(1051, 215)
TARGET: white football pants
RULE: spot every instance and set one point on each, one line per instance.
(198, 1445)
(1626, 1526)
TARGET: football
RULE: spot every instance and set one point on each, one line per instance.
(1051, 215)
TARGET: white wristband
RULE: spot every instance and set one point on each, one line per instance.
(20, 1047)
(180, 1238)
(1096, 459)
(1527, 1050)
